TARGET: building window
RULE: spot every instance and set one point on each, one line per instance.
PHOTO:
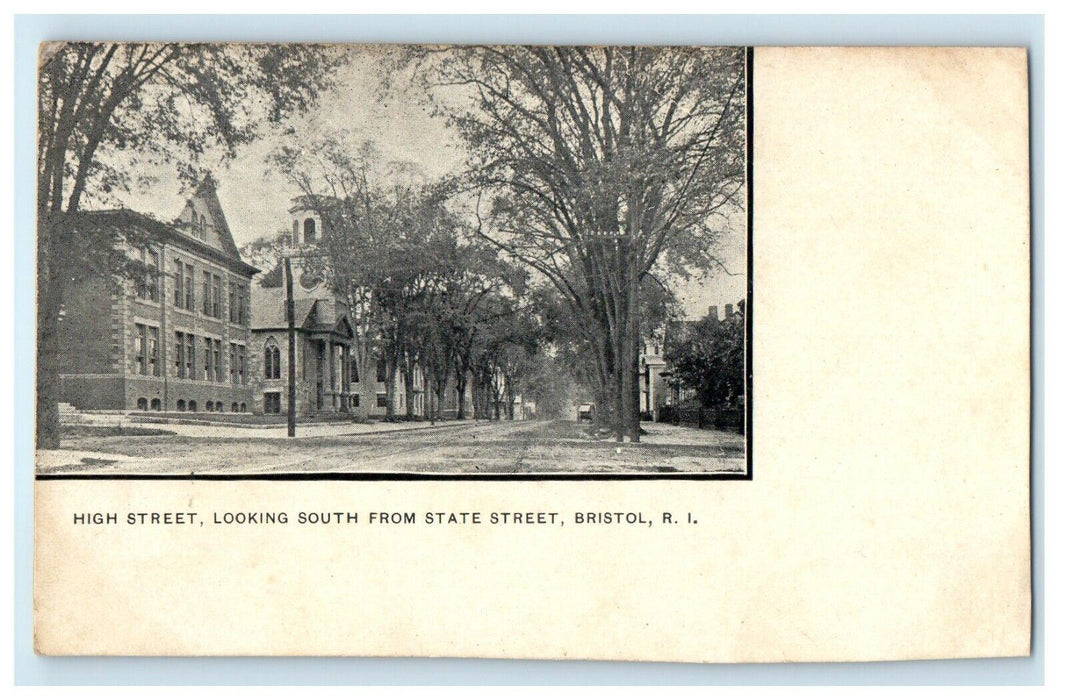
(190, 355)
(179, 283)
(272, 360)
(157, 405)
(244, 407)
(142, 404)
(272, 402)
(203, 226)
(216, 296)
(209, 406)
(383, 371)
(181, 405)
(212, 360)
(220, 407)
(355, 400)
(183, 285)
(237, 303)
(192, 405)
(309, 230)
(140, 340)
(383, 400)
(153, 352)
(233, 407)
(148, 289)
(236, 363)
(207, 293)
(355, 371)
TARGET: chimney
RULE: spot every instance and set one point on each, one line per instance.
(712, 312)
(728, 311)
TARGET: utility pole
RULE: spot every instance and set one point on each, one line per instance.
(290, 317)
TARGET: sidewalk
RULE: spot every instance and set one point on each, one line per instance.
(303, 430)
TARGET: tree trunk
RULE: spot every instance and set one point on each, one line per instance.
(631, 362)
(460, 396)
(390, 389)
(409, 388)
(49, 302)
(618, 383)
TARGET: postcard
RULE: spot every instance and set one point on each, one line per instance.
(678, 353)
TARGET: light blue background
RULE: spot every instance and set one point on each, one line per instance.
(1021, 30)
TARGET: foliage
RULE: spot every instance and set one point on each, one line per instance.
(597, 164)
(708, 356)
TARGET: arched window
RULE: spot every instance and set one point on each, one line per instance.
(295, 231)
(203, 227)
(272, 360)
(309, 230)
(142, 404)
(220, 407)
(157, 405)
(209, 406)
(244, 407)
(181, 404)
(192, 406)
(233, 407)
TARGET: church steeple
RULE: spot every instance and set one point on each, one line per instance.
(306, 223)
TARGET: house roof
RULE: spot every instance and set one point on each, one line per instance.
(168, 233)
(312, 315)
(205, 199)
(268, 309)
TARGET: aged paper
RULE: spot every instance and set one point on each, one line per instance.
(875, 508)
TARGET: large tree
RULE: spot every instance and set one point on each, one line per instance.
(384, 229)
(598, 164)
(105, 110)
(418, 280)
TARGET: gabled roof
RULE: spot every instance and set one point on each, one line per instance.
(312, 315)
(204, 203)
(121, 219)
(268, 309)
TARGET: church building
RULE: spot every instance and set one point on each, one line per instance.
(325, 371)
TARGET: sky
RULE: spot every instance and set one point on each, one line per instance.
(256, 196)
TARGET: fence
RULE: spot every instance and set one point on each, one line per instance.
(721, 418)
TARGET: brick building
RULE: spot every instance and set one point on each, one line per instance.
(178, 340)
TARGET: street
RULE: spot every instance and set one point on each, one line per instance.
(449, 448)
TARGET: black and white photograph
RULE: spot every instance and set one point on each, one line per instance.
(393, 261)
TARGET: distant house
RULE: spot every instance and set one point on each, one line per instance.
(658, 386)
(654, 387)
(177, 340)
